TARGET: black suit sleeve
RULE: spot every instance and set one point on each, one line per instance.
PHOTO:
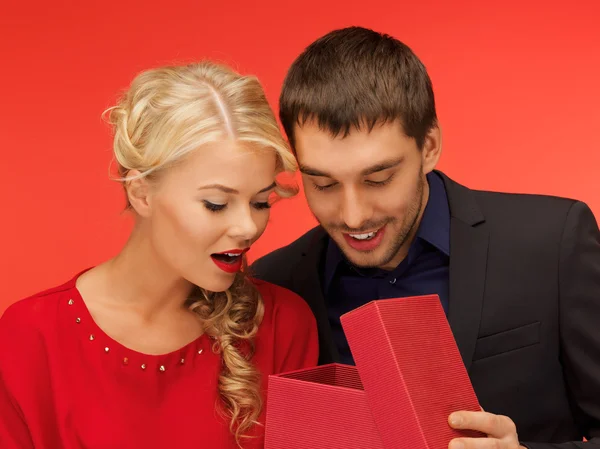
(579, 289)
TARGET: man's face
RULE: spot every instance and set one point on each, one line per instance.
(368, 190)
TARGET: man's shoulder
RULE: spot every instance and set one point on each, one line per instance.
(276, 266)
(498, 204)
(523, 205)
(532, 220)
(521, 218)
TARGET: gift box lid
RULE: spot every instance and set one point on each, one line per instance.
(411, 369)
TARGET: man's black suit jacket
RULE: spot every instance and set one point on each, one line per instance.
(524, 307)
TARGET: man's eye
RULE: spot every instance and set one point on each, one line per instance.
(380, 183)
(325, 187)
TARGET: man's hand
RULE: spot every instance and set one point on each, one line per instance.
(501, 431)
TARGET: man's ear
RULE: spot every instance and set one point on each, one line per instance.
(432, 149)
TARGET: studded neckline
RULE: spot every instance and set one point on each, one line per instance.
(94, 338)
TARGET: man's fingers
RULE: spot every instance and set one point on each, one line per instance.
(475, 443)
(496, 426)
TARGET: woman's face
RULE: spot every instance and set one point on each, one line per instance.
(206, 211)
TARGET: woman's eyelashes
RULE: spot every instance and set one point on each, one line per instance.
(260, 205)
(214, 207)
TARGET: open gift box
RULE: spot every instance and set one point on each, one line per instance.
(409, 377)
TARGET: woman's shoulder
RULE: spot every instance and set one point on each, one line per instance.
(37, 311)
(29, 329)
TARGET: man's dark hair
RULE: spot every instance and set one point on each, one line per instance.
(355, 78)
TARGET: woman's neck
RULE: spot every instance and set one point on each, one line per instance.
(137, 277)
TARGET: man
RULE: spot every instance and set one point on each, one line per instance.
(518, 275)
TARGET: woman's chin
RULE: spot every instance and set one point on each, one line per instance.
(216, 283)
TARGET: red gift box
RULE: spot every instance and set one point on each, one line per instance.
(409, 377)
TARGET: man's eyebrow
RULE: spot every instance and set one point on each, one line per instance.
(382, 166)
(313, 171)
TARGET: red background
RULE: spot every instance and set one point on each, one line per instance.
(517, 86)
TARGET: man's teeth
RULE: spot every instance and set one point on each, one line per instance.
(366, 236)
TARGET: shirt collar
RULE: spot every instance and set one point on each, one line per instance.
(435, 224)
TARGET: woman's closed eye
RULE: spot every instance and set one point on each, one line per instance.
(214, 207)
(261, 205)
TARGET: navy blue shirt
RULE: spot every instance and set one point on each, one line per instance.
(424, 271)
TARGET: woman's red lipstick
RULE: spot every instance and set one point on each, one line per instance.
(229, 261)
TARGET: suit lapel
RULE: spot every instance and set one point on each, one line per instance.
(307, 283)
(469, 240)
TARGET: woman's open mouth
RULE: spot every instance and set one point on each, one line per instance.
(229, 261)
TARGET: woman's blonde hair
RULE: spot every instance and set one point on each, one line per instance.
(167, 113)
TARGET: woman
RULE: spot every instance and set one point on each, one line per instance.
(169, 344)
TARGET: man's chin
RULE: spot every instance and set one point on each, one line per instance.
(363, 259)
